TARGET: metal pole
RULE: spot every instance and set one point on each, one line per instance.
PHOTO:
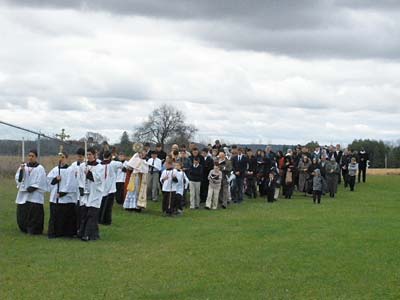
(38, 146)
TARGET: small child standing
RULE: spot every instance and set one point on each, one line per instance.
(214, 179)
(318, 184)
(169, 182)
(269, 187)
(352, 169)
(181, 186)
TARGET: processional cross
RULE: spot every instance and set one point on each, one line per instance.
(62, 137)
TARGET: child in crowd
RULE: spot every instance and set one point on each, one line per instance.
(214, 179)
(181, 187)
(318, 183)
(352, 172)
(169, 182)
(270, 186)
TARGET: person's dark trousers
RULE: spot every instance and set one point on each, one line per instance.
(271, 194)
(179, 201)
(203, 190)
(168, 204)
(239, 189)
(345, 175)
(233, 190)
(317, 196)
(288, 191)
(251, 187)
(30, 217)
(119, 195)
(363, 170)
(105, 213)
(62, 221)
(89, 229)
(352, 182)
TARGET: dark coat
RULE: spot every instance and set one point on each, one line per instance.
(196, 174)
(240, 166)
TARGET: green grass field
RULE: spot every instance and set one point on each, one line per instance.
(347, 248)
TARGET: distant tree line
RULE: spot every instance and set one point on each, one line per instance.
(166, 125)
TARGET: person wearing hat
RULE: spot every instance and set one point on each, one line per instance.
(32, 184)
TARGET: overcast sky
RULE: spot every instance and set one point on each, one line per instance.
(243, 71)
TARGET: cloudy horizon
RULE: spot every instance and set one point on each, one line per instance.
(281, 72)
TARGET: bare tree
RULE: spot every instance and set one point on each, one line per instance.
(94, 137)
(165, 125)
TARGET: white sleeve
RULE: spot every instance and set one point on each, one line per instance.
(186, 180)
(39, 179)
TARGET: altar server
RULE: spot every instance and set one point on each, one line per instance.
(63, 198)
(32, 184)
(91, 196)
(111, 168)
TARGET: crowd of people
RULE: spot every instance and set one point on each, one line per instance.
(82, 194)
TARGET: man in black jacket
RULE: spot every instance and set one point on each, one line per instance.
(208, 165)
(251, 173)
(362, 164)
(195, 177)
(239, 166)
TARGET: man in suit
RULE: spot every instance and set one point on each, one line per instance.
(362, 164)
(239, 166)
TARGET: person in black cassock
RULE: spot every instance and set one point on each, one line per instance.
(63, 198)
(362, 165)
(32, 185)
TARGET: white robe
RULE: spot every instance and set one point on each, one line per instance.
(93, 189)
(121, 176)
(68, 184)
(110, 176)
(168, 185)
(79, 177)
(183, 182)
(137, 197)
(34, 177)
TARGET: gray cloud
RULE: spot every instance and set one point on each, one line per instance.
(310, 29)
(87, 69)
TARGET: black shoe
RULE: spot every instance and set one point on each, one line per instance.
(223, 206)
(206, 207)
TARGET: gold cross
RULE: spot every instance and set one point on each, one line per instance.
(62, 137)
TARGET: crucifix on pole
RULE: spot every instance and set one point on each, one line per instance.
(62, 137)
